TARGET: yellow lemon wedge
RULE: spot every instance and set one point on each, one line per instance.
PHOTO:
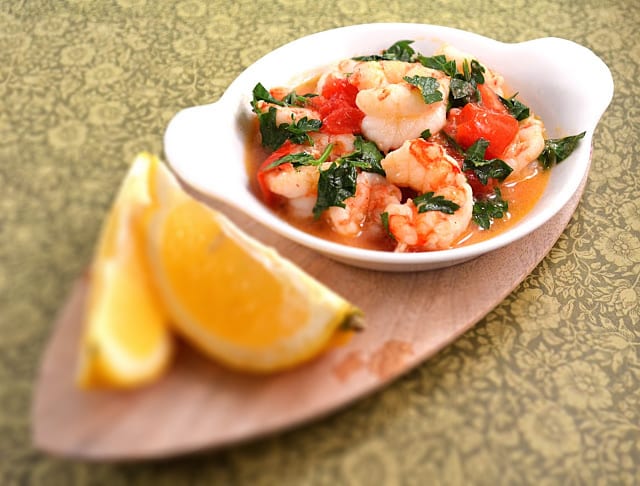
(231, 296)
(127, 340)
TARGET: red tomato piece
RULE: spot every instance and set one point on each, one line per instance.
(342, 118)
(340, 88)
(285, 149)
(476, 121)
(337, 107)
(477, 187)
(490, 99)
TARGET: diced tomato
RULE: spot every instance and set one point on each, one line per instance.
(337, 107)
(475, 121)
(490, 99)
(340, 88)
(285, 149)
(477, 187)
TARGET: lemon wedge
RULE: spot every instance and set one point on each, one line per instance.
(126, 338)
(231, 296)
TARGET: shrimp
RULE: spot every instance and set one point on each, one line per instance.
(340, 71)
(425, 167)
(394, 109)
(526, 147)
(289, 114)
(373, 194)
(491, 78)
(299, 185)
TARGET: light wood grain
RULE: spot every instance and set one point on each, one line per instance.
(198, 405)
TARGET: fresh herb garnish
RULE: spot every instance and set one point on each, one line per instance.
(301, 158)
(430, 202)
(519, 110)
(365, 156)
(428, 87)
(384, 218)
(464, 86)
(400, 51)
(260, 93)
(558, 149)
(484, 169)
(298, 131)
(338, 181)
(294, 99)
(274, 135)
(335, 184)
(425, 134)
(439, 63)
(486, 210)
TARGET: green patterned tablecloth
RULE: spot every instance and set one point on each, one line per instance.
(544, 390)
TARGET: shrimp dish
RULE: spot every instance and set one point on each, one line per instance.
(399, 151)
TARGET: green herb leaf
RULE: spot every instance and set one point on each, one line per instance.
(384, 218)
(335, 184)
(400, 51)
(464, 86)
(486, 210)
(365, 156)
(519, 110)
(484, 169)
(301, 158)
(476, 73)
(272, 135)
(439, 63)
(428, 87)
(338, 182)
(425, 134)
(294, 99)
(461, 91)
(558, 149)
(430, 202)
(298, 130)
(260, 93)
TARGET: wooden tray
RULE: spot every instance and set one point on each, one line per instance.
(199, 405)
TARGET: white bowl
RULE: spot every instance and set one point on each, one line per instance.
(566, 84)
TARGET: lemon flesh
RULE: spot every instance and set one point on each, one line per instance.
(234, 298)
(126, 338)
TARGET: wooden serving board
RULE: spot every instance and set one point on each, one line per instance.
(200, 405)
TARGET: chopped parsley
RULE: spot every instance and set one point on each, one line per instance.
(519, 110)
(274, 135)
(301, 158)
(335, 184)
(260, 93)
(400, 51)
(484, 169)
(384, 219)
(428, 87)
(294, 99)
(557, 149)
(338, 181)
(430, 202)
(486, 210)
(425, 134)
(439, 63)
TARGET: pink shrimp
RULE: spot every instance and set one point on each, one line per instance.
(426, 168)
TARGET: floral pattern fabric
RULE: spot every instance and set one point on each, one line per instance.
(544, 390)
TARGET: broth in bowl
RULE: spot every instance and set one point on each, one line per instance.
(399, 151)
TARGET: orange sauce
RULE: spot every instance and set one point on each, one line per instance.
(522, 195)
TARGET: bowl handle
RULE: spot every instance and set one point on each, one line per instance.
(195, 134)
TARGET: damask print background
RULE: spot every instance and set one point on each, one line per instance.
(544, 390)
